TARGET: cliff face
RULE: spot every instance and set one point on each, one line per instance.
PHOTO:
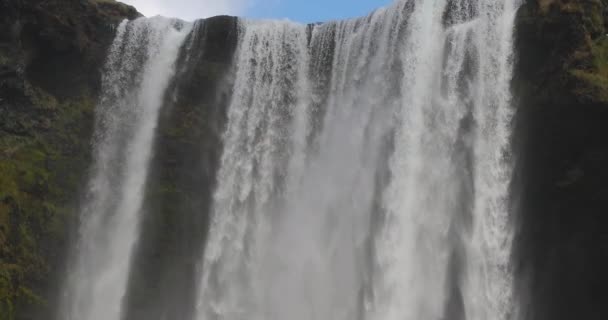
(51, 54)
(561, 140)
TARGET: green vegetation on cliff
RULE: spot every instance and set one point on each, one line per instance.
(563, 46)
(51, 53)
(594, 79)
(41, 167)
(592, 56)
(567, 39)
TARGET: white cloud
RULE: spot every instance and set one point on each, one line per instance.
(189, 9)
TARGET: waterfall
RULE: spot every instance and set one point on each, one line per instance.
(137, 73)
(362, 170)
(366, 169)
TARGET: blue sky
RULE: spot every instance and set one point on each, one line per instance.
(314, 10)
(295, 10)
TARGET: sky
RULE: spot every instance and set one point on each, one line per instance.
(304, 11)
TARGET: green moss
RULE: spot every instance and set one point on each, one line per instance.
(596, 86)
(591, 73)
(596, 17)
(600, 54)
(593, 17)
(7, 310)
(39, 174)
(594, 80)
(40, 98)
(44, 137)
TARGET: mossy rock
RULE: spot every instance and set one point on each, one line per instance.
(38, 174)
(51, 55)
(593, 84)
(564, 41)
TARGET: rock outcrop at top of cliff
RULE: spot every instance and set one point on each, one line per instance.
(51, 54)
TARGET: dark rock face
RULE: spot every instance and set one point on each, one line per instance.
(562, 146)
(51, 54)
(62, 43)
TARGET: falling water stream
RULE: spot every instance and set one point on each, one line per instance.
(138, 70)
(365, 170)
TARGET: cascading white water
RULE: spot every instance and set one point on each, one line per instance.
(473, 78)
(139, 68)
(365, 172)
